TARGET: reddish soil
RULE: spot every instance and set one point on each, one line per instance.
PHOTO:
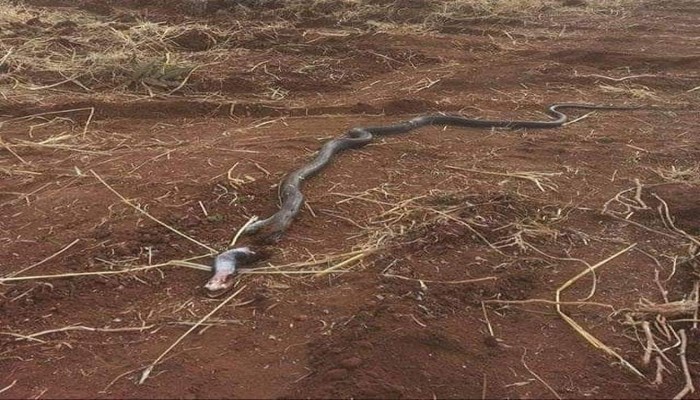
(364, 332)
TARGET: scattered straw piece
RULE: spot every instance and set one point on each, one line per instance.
(78, 328)
(590, 338)
(254, 271)
(139, 209)
(557, 303)
(542, 381)
(688, 388)
(660, 368)
(665, 213)
(184, 81)
(696, 294)
(487, 278)
(179, 263)
(89, 119)
(671, 309)
(348, 261)
(314, 262)
(43, 261)
(53, 85)
(240, 231)
(150, 367)
(575, 120)
(488, 322)
(8, 387)
(29, 117)
(650, 345)
(9, 148)
(540, 179)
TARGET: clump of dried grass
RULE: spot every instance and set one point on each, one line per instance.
(407, 15)
(52, 47)
(679, 174)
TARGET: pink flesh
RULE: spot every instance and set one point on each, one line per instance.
(219, 281)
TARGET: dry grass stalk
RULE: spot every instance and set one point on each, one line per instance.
(324, 260)
(634, 91)
(689, 387)
(347, 260)
(660, 368)
(156, 220)
(181, 263)
(670, 309)
(56, 254)
(590, 338)
(551, 302)
(345, 263)
(155, 362)
(650, 345)
(668, 220)
(243, 228)
(138, 53)
(630, 207)
(43, 114)
(252, 271)
(540, 179)
(470, 228)
(488, 322)
(8, 387)
(78, 328)
(594, 278)
(696, 294)
(542, 381)
(12, 151)
(458, 282)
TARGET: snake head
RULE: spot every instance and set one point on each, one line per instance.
(225, 267)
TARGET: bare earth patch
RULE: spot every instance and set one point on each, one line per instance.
(136, 137)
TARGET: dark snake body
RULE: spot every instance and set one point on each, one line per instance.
(290, 188)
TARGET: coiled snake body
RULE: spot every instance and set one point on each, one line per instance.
(290, 188)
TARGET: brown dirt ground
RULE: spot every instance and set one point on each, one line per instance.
(264, 103)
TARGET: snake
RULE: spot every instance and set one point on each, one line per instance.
(292, 198)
